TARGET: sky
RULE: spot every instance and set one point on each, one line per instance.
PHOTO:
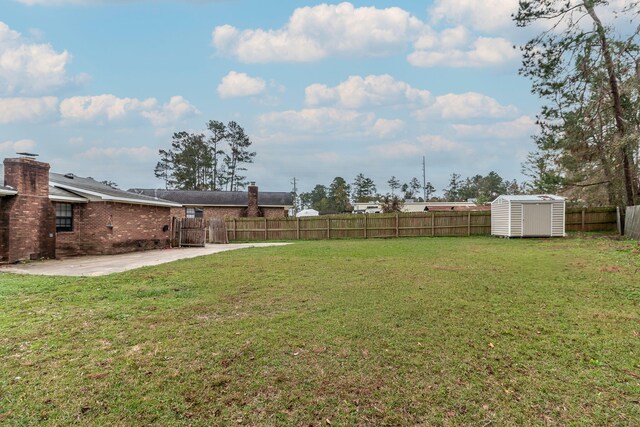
(96, 88)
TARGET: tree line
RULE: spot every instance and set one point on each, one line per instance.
(589, 75)
(339, 195)
(213, 161)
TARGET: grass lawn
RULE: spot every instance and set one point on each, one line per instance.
(445, 331)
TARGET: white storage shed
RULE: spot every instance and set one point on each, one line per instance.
(540, 215)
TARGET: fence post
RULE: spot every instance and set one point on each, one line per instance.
(619, 223)
(397, 226)
(582, 226)
(328, 228)
(235, 236)
(297, 228)
(433, 224)
(469, 223)
(365, 226)
(266, 229)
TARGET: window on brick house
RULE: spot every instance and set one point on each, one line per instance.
(194, 212)
(64, 217)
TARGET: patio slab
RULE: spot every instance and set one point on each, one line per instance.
(101, 265)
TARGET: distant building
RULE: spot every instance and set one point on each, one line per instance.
(367, 207)
(222, 204)
(443, 206)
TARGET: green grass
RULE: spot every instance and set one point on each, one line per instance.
(446, 331)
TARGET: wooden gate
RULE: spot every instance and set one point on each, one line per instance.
(189, 232)
(217, 231)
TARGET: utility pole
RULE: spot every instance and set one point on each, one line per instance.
(295, 196)
(424, 179)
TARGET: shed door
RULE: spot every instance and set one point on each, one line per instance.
(536, 219)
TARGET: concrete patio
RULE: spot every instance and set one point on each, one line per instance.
(107, 264)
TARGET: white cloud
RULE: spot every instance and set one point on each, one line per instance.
(521, 127)
(423, 144)
(17, 146)
(313, 33)
(107, 107)
(384, 128)
(358, 92)
(29, 68)
(317, 32)
(484, 52)
(484, 15)
(318, 120)
(135, 153)
(438, 143)
(465, 106)
(236, 84)
(397, 149)
(447, 39)
(175, 110)
(102, 107)
(26, 109)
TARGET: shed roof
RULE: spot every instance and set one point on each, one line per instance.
(93, 190)
(217, 198)
(7, 191)
(531, 198)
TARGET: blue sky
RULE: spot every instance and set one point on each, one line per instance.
(323, 89)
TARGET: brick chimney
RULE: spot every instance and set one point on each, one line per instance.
(27, 220)
(253, 210)
(27, 176)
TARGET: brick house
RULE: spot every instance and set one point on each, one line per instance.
(93, 218)
(48, 215)
(224, 204)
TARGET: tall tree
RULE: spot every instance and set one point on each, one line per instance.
(199, 162)
(163, 169)
(429, 189)
(316, 199)
(394, 184)
(579, 61)
(218, 134)
(452, 192)
(186, 165)
(237, 156)
(545, 178)
(339, 195)
(363, 189)
(415, 186)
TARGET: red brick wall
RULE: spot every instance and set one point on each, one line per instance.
(135, 228)
(229, 212)
(274, 212)
(27, 220)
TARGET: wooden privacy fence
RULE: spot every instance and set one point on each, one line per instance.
(591, 219)
(632, 223)
(425, 224)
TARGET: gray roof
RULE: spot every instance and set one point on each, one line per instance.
(93, 190)
(7, 191)
(217, 198)
(59, 195)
